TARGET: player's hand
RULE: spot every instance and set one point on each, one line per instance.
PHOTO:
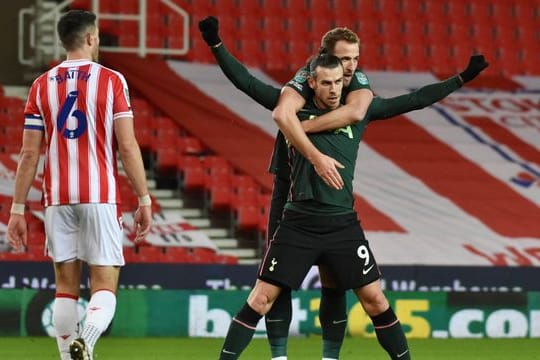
(143, 221)
(477, 63)
(209, 27)
(327, 168)
(16, 232)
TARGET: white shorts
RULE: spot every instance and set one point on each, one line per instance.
(89, 232)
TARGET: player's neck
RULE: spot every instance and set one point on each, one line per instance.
(79, 55)
(318, 103)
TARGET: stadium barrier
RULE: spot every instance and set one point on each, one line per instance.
(207, 313)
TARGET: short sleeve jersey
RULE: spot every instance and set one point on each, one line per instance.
(75, 104)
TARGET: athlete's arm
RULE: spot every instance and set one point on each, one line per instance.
(354, 110)
(26, 172)
(130, 155)
(28, 162)
(427, 95)
(264, 94)
(290, 102)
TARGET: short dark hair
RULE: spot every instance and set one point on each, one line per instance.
(324, 60)
(72, 27)
(329, 40)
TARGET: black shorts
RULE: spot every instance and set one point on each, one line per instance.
(303, 240)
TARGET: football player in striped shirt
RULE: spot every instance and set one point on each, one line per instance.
(81, 110)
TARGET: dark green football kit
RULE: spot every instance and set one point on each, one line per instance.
(318, 224)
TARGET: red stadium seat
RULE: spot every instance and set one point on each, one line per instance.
(141, 107)
(394, 57)
(12, 107)
(413, 11)
(130, 254)
(274, 28)
(165, 123)
(439, 33)
(191, 170)
(225, 259)
(247, 217)
(219, 194)
(150, 253)
(189, 145)
(178, 254)
(440, 59)
(203, 255)
(253, 9)
(276, 54)
(166, 157)
(318, 27)
(248, 24)
(416, 56)
(415, 32)
(299, 27)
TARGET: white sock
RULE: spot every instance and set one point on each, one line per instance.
(65, 321)
(280, 358)
(99, 314)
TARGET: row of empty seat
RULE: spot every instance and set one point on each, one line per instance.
(197, 168)
(11, 119)
(402, 35)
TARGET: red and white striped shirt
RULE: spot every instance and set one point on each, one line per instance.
(75, 104)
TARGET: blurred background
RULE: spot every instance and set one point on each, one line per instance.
(449, 196)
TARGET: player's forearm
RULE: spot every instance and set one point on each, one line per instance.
(353, 111)
(264, 94)
(432, 93)
(419, 99)
(26, 173)
(133, 165)
(289, 124)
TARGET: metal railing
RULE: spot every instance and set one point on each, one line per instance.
(47, 47)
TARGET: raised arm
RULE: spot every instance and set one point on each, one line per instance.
(427, 95)
(264, 94)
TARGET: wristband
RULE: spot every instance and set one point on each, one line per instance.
(145, 200)
(17, 209)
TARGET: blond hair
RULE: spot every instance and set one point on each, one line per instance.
(329, 40)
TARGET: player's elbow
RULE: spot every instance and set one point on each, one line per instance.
(30, 153)
(127, 148)
(279, 114)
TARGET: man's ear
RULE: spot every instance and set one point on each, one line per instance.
(311, 82)
(89, 39)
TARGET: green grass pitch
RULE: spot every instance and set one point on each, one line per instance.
(299, 349)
